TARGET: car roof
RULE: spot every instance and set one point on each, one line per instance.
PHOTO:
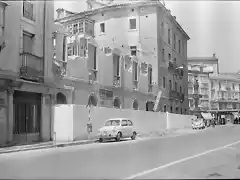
(118, 119)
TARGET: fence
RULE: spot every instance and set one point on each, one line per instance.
(70, 121)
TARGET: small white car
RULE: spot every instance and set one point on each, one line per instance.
(117, 129)
(198, 123)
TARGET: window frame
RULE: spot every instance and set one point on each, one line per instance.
(133, 49)
(129, 22)
(2, 26)
(130, 122)
(122, 123)
(104, 28)
(32, 18)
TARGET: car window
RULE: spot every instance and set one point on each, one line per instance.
(124, 122)
(112, 123)
(130, 123)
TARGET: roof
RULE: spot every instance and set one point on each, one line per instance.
(197, 59)
(128, 4)
(225, 77)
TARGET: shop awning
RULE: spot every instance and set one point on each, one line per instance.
(207, 115)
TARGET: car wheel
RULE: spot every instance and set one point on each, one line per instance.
(118, 137)
(100, 139)
(134, 136)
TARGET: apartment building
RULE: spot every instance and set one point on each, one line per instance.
(120, 62)
(225, 92)
(200, 69)
(27, 89)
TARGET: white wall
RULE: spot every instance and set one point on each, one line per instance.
(70, 121)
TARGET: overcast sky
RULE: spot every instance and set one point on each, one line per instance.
(213, 26)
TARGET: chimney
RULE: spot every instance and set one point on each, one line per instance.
(214, 55)
(174, 17)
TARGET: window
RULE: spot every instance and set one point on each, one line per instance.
(163, 55)
(132, 24)
(80, 27)
(169, 36)
(181, 89)
(95, 58)
(75, 28)
(130, 123)
(233, 86)
(70, 50)
(164, 82)
(83, 47)
(179, 46)
(170, 85)
(27, 42)
(135, 71)
(169, 56)
(175, 60)
(27, 9)
(2, 20)
(219, 84)
(107, 50)
(175, 86)
(174, 41)
(124, 123)
(164, 108)
(162, 28)
(212, 84)
(133, 50)
(102, 27)
(64, 48)
(150, 75)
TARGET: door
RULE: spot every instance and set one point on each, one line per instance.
(124, 129)
(130, 128)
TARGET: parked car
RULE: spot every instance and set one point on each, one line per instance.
(117, 129)
(198, 123)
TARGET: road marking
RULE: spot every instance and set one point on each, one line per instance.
(179, 161)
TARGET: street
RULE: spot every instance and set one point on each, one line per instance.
(214, 153)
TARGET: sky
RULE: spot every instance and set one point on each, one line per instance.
(213, 26)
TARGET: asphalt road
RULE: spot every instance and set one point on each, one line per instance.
(198, 155)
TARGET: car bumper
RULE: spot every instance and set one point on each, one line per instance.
(108, 136)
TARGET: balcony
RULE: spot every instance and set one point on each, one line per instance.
(150, 88)
(205, 96)
(175, 95)
(173, 67)
(135, 84)
(85, 27)
(92, 75)
(32, 67)
(116, 81)
(62, 66)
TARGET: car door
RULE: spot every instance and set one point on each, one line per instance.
(124, 128)
(130, 128)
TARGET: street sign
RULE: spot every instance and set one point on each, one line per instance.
(157, 100)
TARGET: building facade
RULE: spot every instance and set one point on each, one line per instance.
(120, 60)
(225, 92)
(27, 91)
(201, 68)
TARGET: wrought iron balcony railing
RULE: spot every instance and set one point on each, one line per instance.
(32, 67)
(116, 81)
(150, 88)
(92, 75)
(135, 84)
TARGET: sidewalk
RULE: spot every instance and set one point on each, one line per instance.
(45, 145)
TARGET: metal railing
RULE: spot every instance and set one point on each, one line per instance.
(150, 88)
(32, 67)
(92, 75)
(135, 84)
(116, 81)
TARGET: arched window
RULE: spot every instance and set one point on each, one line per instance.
(117, 103)
(149, 106)
(135, 104)
(165, 108)
(171, 109)
(61, 98)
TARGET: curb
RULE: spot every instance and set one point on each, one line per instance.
(48, 146)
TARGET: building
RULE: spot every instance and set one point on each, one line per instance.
(122, 62)
(200, 68)
(27, 91)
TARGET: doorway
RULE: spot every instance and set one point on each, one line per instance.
(27, 117)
